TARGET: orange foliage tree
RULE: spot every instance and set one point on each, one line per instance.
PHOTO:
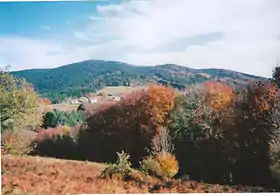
(159, 101)
(214, 111)
(218, 95)
(263, 96)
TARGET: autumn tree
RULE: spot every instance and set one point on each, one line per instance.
(218, 95)
(199, 122)
(127, 125)
(202, 111)
(19, 102)
(161, 142)
(215, 111)
(159, 101)
(251, 132)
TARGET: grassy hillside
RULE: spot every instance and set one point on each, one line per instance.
(36, 175)
(92, 75)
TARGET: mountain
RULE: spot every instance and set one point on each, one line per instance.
(91, 75)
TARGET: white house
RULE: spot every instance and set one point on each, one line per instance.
(83, 100)
(92, 100)
(115, 98)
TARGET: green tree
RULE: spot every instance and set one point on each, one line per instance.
(50, 120)
(19, 103)
(62, 117)
(56, 117)
(276, 76)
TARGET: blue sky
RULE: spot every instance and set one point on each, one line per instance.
(234, 34)
(46, 19)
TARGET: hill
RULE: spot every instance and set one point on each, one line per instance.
(37, 175)
(92, 75)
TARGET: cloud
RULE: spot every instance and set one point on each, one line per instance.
(45, 27)
(24, 53)
(164, 31)
(93, 18)
(234, 34)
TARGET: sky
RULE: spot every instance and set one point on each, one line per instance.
(235, 34)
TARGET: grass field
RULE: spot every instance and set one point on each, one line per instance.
(38, 175)
(63, 107)
(119, 90)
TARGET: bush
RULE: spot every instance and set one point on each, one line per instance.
(51, 133)
(162, 166)
(16, 143)
(168, 163)
(59, 142)
(150, 166)
(119, 170)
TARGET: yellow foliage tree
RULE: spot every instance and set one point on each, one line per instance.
(19, 103)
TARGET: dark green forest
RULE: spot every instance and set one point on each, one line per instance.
(76, 79)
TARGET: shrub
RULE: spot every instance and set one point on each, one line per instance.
(119, 170)
(168, 163)
(150, 166)
(50, 133)
(59, 142)
(162, 166)
(16, 143)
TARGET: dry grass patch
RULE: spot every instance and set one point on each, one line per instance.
(37, 175)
